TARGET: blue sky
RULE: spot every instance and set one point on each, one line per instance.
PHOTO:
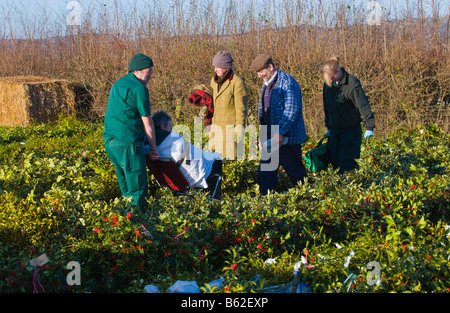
(18, 13)
(59, 6)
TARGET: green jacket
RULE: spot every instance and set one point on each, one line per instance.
(128, 102)
(346, 104)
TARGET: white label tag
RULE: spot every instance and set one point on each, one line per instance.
(40, 260)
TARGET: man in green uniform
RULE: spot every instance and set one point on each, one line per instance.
(127, 123)
(345, 105)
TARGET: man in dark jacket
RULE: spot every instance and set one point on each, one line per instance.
(345, 105)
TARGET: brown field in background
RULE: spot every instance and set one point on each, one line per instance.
(403, 63)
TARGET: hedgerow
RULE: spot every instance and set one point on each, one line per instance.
(59, 196)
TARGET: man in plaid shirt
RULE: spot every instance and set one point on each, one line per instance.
(280, 105)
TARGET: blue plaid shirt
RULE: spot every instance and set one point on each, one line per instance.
(286, 109)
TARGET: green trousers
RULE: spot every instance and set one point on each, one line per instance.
(344, 147)
(131, 169)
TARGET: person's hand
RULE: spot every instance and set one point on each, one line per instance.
(153, 155)
(368, 133)
(277, 138)
(204, 112)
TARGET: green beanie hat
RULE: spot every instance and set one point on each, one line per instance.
(139, 62)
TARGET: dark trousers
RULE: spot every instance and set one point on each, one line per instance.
(215, 181)
(344, 147)
(290, 157)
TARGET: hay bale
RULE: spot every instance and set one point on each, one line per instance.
(26, 99)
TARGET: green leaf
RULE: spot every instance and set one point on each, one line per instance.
(389, 220)
(422, 222)
(409, 231)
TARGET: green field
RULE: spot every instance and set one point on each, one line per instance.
(59, 196)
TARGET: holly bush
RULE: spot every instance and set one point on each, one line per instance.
(59, 196)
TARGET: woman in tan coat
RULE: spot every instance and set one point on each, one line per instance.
(230, 107)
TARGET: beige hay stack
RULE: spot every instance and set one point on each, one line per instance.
(25, 99)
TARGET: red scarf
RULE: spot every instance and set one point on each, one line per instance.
(199, 98)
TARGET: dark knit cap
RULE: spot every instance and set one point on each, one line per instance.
(223, 60)
(139, 62)
(261, 62)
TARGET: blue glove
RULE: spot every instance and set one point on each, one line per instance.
(368, 133)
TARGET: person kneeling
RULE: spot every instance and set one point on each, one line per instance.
(201, 169)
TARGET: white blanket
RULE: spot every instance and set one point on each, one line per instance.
(197, 164)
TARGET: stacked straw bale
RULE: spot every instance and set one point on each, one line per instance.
(26, 99)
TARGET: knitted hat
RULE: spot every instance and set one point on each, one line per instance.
(223, 60)
(139, 62)
(261, 62)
